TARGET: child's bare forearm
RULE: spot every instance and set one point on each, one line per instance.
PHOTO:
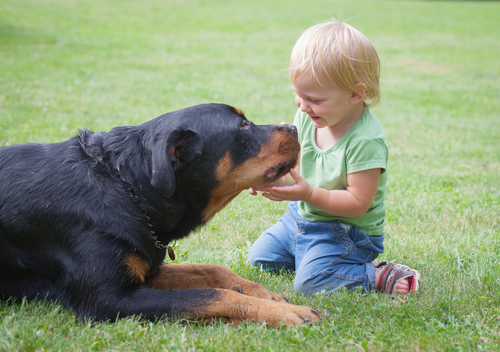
(338, 202)
(352, 202)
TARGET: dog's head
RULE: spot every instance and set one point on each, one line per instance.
(213, 152)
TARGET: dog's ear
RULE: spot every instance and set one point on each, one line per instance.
(172, 153)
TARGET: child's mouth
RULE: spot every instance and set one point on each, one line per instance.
(314, 118)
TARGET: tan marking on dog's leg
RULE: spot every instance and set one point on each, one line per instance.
(232, 306)
(185, 276)
(137, 267)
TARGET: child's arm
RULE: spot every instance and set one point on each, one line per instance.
(351, 202)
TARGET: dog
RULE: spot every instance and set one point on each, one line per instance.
(87, 222)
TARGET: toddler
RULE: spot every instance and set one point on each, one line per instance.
(333, 231)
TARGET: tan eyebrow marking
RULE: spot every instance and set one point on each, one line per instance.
(239, 112)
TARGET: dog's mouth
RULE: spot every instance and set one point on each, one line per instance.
(271, 173)
(282, 154)
(276, 172)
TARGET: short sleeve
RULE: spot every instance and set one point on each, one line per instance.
(367, 154)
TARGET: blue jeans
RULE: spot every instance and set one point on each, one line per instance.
(324, 255)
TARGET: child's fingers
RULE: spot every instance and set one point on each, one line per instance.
(297, 178)
(279, 193)
(268, 196)
(281, 190)
(295, 175)
(253, 190)
(272, 197)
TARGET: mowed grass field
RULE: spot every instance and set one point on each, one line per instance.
(68, 64)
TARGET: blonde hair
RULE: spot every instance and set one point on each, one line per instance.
(341, 54)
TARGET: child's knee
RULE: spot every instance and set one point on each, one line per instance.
(256, 258)
(252, 256)
(272, 267)
(270, 254)
(307, 286)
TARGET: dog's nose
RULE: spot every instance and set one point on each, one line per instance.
(289, 128)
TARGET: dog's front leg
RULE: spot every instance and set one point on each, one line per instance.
(186, 276)
(202, 305)
(232, 307)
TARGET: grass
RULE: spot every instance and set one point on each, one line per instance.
(98, 64)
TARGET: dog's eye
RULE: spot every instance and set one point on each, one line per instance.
(245, 124)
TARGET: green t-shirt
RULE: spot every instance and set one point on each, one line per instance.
(361, 148)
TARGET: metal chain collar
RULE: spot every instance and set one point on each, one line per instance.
(157, 242)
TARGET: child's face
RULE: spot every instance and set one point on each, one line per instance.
(326, 105)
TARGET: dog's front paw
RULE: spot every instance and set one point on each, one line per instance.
(301, 315)
(289, 314)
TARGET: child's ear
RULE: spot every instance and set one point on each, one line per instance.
(359, 94)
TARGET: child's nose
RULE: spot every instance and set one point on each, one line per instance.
(302, 105)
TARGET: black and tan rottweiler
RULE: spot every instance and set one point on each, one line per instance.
(86, 222)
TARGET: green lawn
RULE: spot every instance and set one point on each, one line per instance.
(67, 64)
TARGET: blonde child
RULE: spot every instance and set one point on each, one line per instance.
(333, 231)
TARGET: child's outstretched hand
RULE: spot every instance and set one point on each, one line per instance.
(253, 190)
(301, 190)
